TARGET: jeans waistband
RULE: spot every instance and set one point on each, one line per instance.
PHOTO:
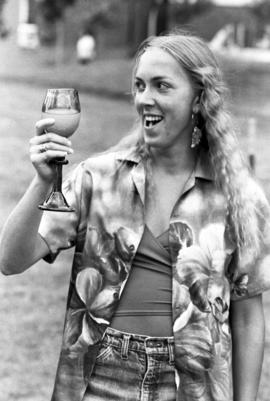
(140, 343)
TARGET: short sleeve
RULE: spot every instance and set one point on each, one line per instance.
(62, 230)
(249, 270)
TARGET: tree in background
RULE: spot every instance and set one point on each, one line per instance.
(101, 14)
(53, 17)
(262, 11)
(185, 10)
(53, 10)
(141, 17)
(52, 26)
(162, 17)
(2, 2)
(98, 14)
(3, 29)
(152, 17)
(145, 17)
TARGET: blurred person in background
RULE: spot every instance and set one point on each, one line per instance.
(172, 242)
(86, 47)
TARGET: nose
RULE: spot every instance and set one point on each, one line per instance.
(145, 98)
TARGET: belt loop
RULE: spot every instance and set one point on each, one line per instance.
(125, 343)
(171, 351)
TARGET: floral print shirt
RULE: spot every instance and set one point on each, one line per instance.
(108, 192)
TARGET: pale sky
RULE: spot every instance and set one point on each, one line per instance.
(226, 2)
(233, 2)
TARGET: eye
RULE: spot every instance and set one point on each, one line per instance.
(163, 86)
(139, 86)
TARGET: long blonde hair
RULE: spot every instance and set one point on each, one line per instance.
(219, 134)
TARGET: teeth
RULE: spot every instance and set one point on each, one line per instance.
(152, 120)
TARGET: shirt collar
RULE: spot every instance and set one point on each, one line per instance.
(130, 155)
(202, 170)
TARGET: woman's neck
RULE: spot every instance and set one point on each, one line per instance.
(175, 161)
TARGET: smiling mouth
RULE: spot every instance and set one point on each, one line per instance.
(150, 121)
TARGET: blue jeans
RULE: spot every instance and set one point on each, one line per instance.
(132, 367)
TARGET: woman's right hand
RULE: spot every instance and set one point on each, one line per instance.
(46, 146)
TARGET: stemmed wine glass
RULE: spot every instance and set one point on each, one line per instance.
(63, 106)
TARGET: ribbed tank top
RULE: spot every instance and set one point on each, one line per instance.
(145, 306)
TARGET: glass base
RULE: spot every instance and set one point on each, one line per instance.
(56, 202)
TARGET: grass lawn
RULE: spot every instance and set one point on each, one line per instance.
(33, 304)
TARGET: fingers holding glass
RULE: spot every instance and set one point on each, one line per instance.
(47, 147)
(43, 125)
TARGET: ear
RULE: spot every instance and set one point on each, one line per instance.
(196, 105)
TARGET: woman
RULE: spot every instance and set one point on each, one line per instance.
(172, 244)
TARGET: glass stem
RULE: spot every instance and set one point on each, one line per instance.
(58, 178)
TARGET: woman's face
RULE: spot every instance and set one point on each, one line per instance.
(164, 99)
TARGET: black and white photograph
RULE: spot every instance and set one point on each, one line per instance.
(135, 200)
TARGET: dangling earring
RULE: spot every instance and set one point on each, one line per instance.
(196, 133)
